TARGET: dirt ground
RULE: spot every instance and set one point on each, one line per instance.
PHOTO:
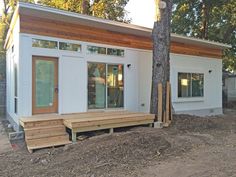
(5, 145)
(191, 147)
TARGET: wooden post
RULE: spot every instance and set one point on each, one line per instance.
(159, 116)
(167, 113)
(171, 114)
(73, 136)
(111, 131)
(30, 151)
(164, 118)
(167, 102)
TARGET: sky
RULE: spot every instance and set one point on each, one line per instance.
(142, 12)
(1, 6)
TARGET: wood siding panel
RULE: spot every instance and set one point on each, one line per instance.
(54, 28)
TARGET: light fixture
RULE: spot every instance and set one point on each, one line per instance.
(210, 71)
(128, 65)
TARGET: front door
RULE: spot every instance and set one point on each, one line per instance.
(45, 85)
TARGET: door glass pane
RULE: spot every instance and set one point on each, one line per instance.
(44, 83)
(96, 86)
(115, 86)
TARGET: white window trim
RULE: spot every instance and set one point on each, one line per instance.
(177, 99)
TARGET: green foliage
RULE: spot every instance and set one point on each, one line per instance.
(210, 19)
(69, 5)
(108, 9)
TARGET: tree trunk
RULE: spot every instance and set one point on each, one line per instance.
(161, 55)
(85, 7)
(205, 19)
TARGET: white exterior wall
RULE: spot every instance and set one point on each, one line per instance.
(210, 104)
(12, 57)
(137, 78)
(73, 75)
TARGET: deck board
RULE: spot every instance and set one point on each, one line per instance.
(44, 130)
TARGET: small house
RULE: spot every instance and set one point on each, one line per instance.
(60, 62)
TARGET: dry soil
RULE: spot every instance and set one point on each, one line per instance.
(190, 147)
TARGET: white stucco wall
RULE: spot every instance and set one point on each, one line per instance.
(73, 75)
(11, 57)
(137, 78)
(210, 104)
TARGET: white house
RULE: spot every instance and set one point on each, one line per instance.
(63, 62)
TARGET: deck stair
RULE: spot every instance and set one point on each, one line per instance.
(44, 133)
(50, 130)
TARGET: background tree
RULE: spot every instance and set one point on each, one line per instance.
(208, 19)
(161, 53)
(7, 7)
(108, 9)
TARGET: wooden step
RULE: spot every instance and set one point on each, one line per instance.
(42, 123)
(48, 142)
(46, 135)
(44, 130)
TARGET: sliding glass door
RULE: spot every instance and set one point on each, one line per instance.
(115, 86)
(96, 86)
(105, 86)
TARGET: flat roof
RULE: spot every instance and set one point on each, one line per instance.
(91, 21)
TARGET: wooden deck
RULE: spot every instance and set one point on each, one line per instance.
(50, 130)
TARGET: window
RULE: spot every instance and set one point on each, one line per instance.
(44, 44)
(69, 46)
(105, 51)
(190, 85)
(115, 52)
(96, 50)
(105, 86)
(15, 75)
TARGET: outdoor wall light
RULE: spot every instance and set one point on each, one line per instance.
(210, 71)
(128, 65)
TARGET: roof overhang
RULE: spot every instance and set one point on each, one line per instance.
(52, 13)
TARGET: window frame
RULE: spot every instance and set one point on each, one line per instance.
(191, 85)
(121, 51)
(70, 43)
(14, 65)
(174, 81)
(106, 87)
(45, 40)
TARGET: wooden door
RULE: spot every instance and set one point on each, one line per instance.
(44, 85)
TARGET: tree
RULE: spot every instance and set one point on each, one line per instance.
(7, 11)
(108, 9)
(161, 52)
(208, 19)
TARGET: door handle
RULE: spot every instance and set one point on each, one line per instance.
(56, 89)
